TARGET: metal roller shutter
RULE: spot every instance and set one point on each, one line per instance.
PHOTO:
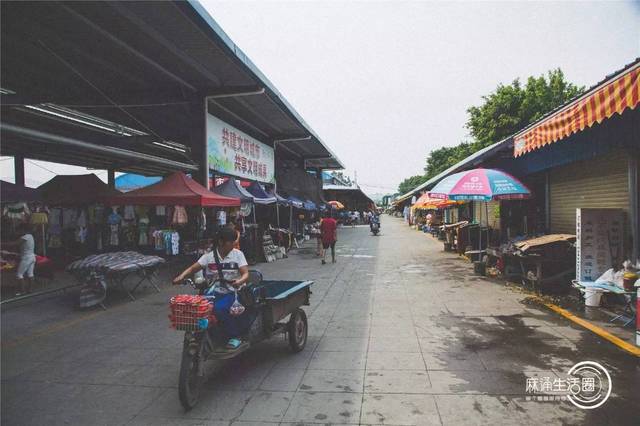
(598, 183)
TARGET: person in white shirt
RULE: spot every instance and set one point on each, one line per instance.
(235, 274)
(26, 247)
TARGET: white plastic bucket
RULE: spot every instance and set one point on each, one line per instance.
(592, 296)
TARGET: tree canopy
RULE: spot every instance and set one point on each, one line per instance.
(503, 112)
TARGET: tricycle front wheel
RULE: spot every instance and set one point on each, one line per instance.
(298, 330)
(191, 378)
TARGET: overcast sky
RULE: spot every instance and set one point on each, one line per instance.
(383, 83)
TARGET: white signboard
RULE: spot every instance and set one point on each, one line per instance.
(235, 153)
(599, 241)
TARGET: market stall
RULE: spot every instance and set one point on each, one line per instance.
(169, 217)
(479, 185)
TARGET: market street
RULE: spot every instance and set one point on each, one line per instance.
(400, 333)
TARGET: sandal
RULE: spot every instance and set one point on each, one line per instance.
(233, 344)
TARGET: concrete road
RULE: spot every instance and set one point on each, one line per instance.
(400, 334)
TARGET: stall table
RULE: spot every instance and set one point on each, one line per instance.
(96, 272)
(629, 312)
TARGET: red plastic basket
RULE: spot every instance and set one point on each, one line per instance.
(189, 311)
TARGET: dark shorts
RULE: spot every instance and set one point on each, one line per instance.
(326, 245)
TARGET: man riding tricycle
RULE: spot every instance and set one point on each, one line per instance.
(234, 309)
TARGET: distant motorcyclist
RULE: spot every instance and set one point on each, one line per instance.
(375, 219)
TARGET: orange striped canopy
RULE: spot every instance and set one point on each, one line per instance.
(602, 102)
(428, 203)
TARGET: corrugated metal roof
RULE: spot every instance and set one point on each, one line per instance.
(253, 69)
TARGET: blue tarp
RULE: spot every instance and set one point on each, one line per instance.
(281, 200)
(309, 205)
(296, 202)
(233, 189)
(260, 196)
(129, 181)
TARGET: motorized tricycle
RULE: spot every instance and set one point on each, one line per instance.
(268, 303)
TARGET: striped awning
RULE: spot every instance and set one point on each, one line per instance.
(611, 97)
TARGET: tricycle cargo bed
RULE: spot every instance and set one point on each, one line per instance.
(277, 290)
(283, 297)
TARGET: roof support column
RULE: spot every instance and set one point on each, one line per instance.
(18, 164)
(199, 141)
(634, 221)
(111, 178)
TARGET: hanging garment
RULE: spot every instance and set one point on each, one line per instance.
(39, 218)
(167, 242)
(143, 231)
(114, 219)
(96, 215)
(129, 213)
(69, 218)
(114, 237)
(160, 210)
(82, 220)
(54, 222)
(179, 216)
(203, 220)
(18, 212)
(130, 234)
(158, 237)
(81, 234)
(175, 243)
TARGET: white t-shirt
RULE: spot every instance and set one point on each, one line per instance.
(27, 246)
(230, 264)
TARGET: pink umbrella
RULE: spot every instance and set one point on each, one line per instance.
(481, 185)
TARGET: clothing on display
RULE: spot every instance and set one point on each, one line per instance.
(39, 218)
(18, 212)
(82, 220)
(55, 230)
(143, 231)
(82, 234)
(168, 241)
(114, 218)
(129, 234)
(129, 213)
(179, 216)
(69, 218)
(96, 214)
(222, 217)
(114, 238)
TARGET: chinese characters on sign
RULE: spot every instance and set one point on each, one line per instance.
(599, 239)
(235, 153)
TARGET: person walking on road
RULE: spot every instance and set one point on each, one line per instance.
(26, 247)
(329, 235)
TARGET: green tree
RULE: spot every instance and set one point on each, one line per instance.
(512, 107)
(502, 113)
(411, 182)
